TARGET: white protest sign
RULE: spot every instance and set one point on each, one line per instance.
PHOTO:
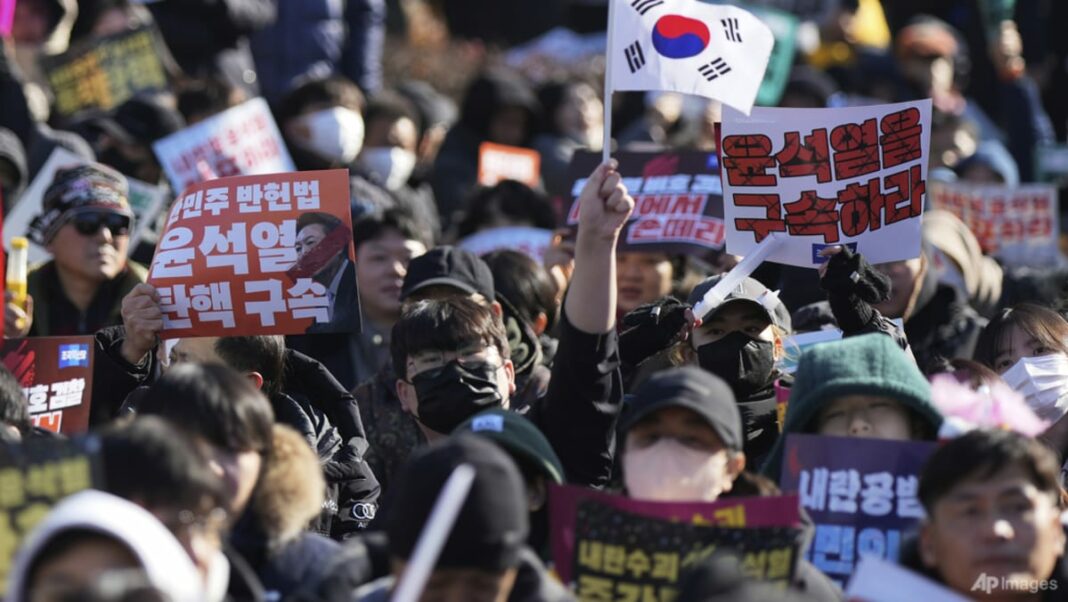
(145, 201)
(531, 241)
(853, 176)
(242, 140)
(1018, 224)
(877, 580)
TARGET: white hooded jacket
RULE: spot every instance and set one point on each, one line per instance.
(166, 564)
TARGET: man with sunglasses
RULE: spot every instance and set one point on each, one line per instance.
(85, 225)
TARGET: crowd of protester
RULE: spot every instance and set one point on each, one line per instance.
(306, 467)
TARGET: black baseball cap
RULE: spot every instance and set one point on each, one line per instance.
(492, 526)
(695, 389)
(518, 437)
(450, 266)
(142, 120)
(749, 291)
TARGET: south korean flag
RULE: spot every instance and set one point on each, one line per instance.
(716, 51)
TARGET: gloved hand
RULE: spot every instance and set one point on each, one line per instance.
(849, 273)
(653, 327)
(853, 285)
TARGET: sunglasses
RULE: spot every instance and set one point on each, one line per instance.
(88, 224)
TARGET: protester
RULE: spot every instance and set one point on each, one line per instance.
(272, 534)
(452, 357)
(441, 272)
(94, 544)
(528, 300)
(938, 321)
(244, 455)
(573, 120)
(498, 107)
(319, 38)
(862, 386)
(85, 226)
(302, 395)
(683, 442)
(1023, 331)
(384, 248)
(533, 455)
(153, 465)
(993, 504)
(484, 552)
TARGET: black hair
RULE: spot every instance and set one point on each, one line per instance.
(508, 201)
(264, 354)
(62, 543)
(397, 219)
(525, 284)
(391, 106)
(967, 372)
(149, 462)
(335, 90)
(328, 221)
(446, 325)
(215, 402)
(980, 454)
(14, 410)
(203, 96)
(1044, 324)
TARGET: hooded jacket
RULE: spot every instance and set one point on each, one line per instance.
(167, 566)
(870, 364)
(271, 534)
(456, 168)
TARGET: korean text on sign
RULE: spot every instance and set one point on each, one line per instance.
(862, 495)
(825, 177)
(258, 255)
(678, 200)
(56, 376)
(623, 556)
(1019, 224)
(104, 73)
(34, 475)
(242, 140)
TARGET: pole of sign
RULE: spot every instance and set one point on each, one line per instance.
(435, 534)
(606, 148)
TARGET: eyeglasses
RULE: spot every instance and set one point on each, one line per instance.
(88, 224)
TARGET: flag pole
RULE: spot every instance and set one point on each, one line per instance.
(606, 148)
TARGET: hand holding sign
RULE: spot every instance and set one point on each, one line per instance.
(143, 320)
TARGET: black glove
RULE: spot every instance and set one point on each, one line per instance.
(852, 286)
(653, 327)
(848, 273)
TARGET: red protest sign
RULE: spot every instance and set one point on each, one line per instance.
(270, 254)
(498, 162)
(56, 374)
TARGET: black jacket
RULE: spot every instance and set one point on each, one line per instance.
(577, 415)
(210, 37)
(314, 404)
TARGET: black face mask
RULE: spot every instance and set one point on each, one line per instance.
(453, 393)
(746, 364)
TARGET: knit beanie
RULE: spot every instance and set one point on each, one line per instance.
(870, 364)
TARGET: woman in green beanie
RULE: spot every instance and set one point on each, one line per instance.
(862, 386)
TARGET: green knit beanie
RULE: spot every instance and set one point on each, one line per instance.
(870, 364)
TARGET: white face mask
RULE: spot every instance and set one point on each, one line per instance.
(392, 164)
(1043, 381)
(668, 471)
(335, 134)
